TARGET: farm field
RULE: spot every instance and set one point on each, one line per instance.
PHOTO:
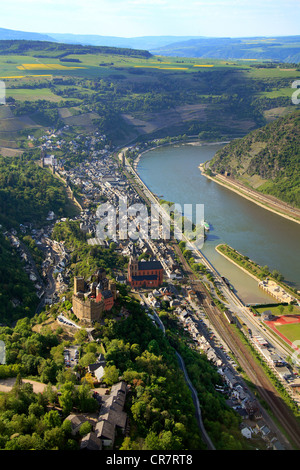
(128, 94)
(24, 94)
(93, 64)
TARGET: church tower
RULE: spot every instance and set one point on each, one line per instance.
(133, 265)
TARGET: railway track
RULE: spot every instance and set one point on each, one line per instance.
(253, 370)
(244, 357)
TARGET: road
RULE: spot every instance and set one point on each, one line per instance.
(198, 414)
(253, 370)
(204, 434)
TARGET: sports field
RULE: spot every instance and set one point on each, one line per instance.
(287, 327)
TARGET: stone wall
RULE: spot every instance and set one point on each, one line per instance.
(87, 310)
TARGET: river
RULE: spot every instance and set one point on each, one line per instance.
(172, 173)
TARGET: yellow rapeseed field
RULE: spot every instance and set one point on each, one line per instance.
(46, 67)
(25, 76)
(160, 67)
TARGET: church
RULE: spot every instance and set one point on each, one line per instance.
(144, 273)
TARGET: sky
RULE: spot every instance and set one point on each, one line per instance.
(134, 18)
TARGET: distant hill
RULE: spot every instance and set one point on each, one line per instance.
(267, 159)
(145, 42)
(282, 49)
(10, 34)
(59, 50)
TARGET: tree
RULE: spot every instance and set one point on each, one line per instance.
(50, 394)
(66, 399)
(80, 335)
(153, 347)
(52, 419)
(36, 409)
(54, 438)
(85, 428)
(277, 275)
(111, 375)
(87, 359)
(86, 403)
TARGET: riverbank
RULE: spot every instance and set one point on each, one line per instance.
(177, 142)
(217, 248)
(276, 206)
(257, 272)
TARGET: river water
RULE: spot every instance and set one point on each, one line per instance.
(172, 173)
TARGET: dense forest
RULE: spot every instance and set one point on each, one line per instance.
(17, 293)
(28, 192)
(270, 153)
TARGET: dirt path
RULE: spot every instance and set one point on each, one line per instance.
(7, 384)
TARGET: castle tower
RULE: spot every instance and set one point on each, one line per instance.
(113, 288)
(99, 275)
(79, 284)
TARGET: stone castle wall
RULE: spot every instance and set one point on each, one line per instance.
(87, 310)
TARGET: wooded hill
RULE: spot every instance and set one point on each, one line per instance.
(267, 159)
(59, 50)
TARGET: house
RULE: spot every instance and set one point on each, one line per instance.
(90, 442)
(276, 445)
(76, 422)
(121, 279)
(97, 369)
(107, 297)
(230, 379)
(115, 417)
(112, 415)
(105, 431)
(263, 429)
(246, 432)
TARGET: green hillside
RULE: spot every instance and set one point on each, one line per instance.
(60, 50)
(267, 159)
(28, 193)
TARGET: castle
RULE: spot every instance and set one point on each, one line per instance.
(90, 301)
(144, 273)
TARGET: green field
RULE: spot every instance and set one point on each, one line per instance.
(24, 94)
(276, 310)
(291, 332)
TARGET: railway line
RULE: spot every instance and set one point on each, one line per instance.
(252, 369)
(244, 357)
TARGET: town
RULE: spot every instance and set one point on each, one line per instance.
(156, 276)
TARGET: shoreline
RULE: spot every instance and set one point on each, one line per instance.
(236, 264)
(250, 198)
(227, 185)
(190, 142)
(281, 284)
